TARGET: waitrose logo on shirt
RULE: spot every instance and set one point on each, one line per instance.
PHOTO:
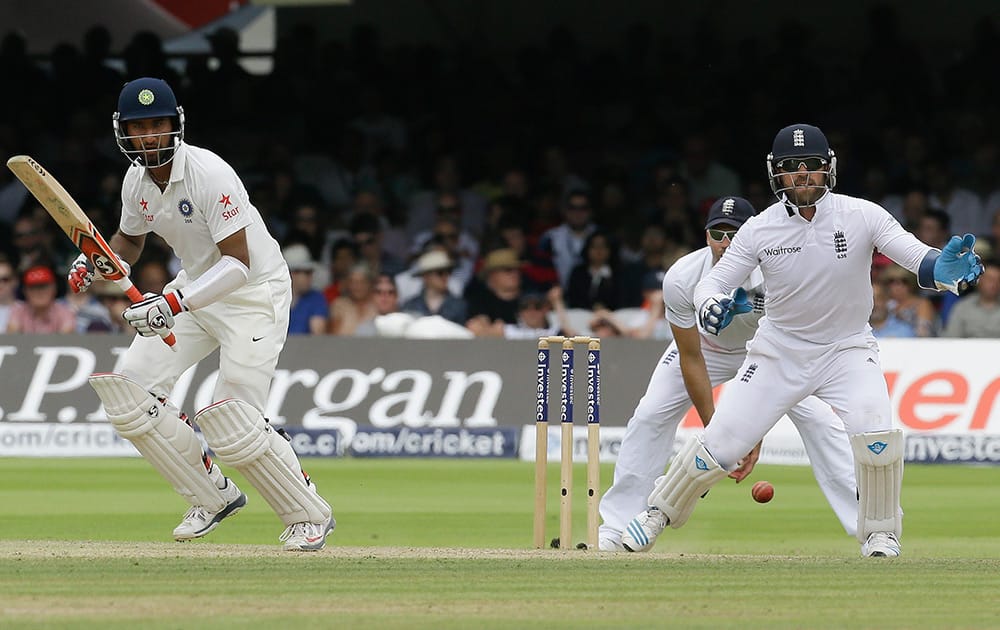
(777, 251)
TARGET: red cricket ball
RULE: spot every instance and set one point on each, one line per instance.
(762, 492)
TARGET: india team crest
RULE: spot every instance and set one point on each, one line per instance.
(186, 208)
(146, 97)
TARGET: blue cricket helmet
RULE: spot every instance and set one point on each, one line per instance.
(800, 141)
(143, 98)
(146, 98)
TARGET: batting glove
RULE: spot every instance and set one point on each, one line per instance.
(958, 266)
(154, 316)
(717, 311)
(82, 273)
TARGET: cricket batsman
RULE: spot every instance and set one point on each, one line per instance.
(232, 293)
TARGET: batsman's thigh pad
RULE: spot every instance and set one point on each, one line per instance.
(693, 473)
(156, 430)
(239, 436)
(878, 463)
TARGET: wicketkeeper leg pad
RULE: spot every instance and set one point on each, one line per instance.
(155, 428)
(240, 437)
(692, 473)
(878, 464)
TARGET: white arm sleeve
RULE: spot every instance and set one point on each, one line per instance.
(217, 282)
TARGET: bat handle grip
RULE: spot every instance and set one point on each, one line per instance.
(133, 294)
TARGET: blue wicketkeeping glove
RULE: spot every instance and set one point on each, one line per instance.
(717, 311)
(958, 266)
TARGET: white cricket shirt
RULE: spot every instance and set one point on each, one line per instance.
(817, 273)
(678, 297)
(204, 202)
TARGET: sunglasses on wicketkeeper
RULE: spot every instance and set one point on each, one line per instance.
(790, 165)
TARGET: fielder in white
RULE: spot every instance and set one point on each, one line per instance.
(686, 373)
(814, 248)
(233, 293)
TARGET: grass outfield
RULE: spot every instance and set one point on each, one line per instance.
(445, 544)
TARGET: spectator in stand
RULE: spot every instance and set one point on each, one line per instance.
(961, 204)
(434, 268)
(883, 322)
(596, 282)
(385, 297)
(90, 312)
(564, 243)
(876, 188)
(309, 313)
(462, 247)
(366, 231)
(680, 220)
(994, 236)
(934, 228)
(706, 177)
(447, 178)
(537, 272)
(495, 296)
(113, 303)
(8, 292)
(905, 304)
(30, 243)
(343, 256)
(557, 174)
(652, 249)
(978, 314)
(915, 206)
(151, 275)
(40, 312)
(532, 318)
(356, 303)
(308, 227)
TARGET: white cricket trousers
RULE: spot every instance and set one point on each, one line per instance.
(249, 327)
(649, 439)
(779, 371)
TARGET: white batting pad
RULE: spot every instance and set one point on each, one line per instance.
(693, 473)
(158, 433)
(239, 436)
(878, 464)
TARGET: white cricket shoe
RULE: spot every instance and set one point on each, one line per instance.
(641, 532)
(880, 545)
(608, 543)
(198, 521)
(307, 536)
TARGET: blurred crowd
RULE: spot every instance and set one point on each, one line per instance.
(426, 191)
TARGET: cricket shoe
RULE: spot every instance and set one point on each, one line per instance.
(307, 536)
(880, 545)
(608, 543)
(198, 521)
(641, 532)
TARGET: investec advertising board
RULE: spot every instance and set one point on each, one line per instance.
(413, 398)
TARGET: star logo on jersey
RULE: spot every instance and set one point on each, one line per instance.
(144, 204)
(225, 201)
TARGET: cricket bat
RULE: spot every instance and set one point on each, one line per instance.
(74, 222)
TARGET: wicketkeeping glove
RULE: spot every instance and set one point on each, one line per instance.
(82, 273)
(717, 311)
(155, 314)
(958, 266)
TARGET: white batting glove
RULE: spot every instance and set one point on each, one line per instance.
(82, 273)
(154, 316)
